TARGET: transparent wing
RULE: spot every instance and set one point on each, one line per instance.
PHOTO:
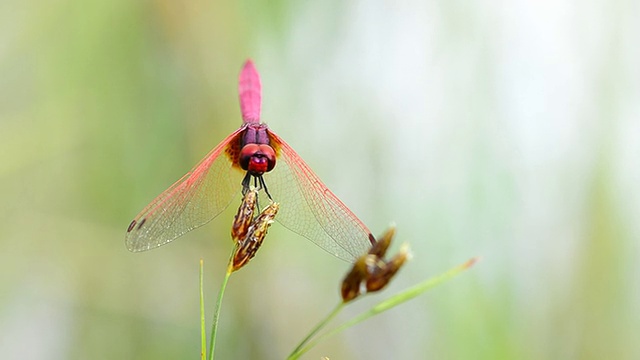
(310, 209)
(195, 199)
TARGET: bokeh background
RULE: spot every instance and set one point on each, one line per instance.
(508, 130)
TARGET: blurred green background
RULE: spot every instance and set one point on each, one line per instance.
(505, 130)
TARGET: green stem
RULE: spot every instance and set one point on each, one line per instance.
(203, 330)
(296, 353)
(216, 315)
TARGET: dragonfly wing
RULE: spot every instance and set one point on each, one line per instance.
(195, 199)
(310, 209)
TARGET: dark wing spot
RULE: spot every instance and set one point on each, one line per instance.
(372, 239)
(131, 226)
(141, 223)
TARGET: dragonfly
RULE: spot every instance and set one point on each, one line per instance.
(253, 156)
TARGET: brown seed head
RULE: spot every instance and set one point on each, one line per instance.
(352, 282)
(246, 248)
(244, 216)
(372, 270)
(380, 277)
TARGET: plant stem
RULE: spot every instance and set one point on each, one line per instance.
(216, 315)
(203, 330)
(296, 352)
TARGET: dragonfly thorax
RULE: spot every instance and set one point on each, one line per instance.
(257, 159)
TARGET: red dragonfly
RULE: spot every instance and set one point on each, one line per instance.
(252, 154)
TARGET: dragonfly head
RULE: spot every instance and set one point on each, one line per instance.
(257, 159)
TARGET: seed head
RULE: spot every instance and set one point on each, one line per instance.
(370, 272)
(244, 216)
(246, 248)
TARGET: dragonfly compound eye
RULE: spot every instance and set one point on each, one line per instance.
(257, 158)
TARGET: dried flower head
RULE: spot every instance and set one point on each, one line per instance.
(352, 283)
(246, 248)
(244, 216)
(381, 275)
(371, 272)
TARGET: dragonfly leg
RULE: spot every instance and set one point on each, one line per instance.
(246, 183)
(264, 186)
(256, 185)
